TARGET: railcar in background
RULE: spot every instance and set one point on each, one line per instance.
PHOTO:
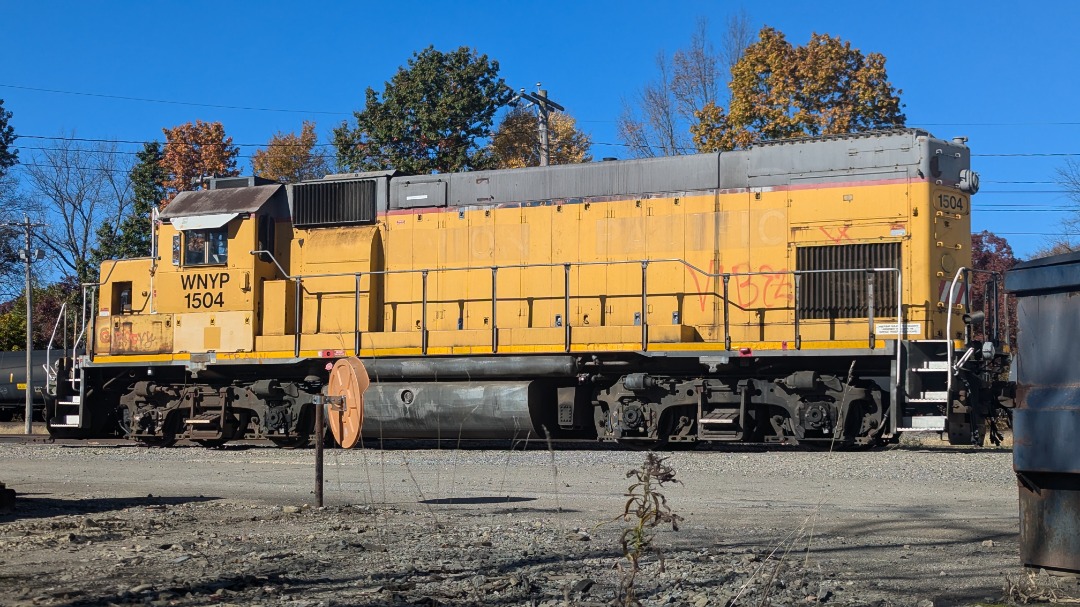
(806, 292)
(13, 383)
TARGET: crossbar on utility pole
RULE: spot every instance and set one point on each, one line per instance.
(544, 107)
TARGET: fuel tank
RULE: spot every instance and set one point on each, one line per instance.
(452, 410)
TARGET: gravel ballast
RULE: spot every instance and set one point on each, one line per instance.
(489, 525)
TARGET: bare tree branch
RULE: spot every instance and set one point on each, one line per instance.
(76, 186)
(1068, 177)
(658, 122)
(695, 77)
(738, 35)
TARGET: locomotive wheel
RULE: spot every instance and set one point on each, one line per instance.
(348, 379)
(212, 443)
(298, 441)
(157, 441)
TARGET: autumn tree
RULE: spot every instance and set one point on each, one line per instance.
(289, 157)
(74, 186)
(193, 152)
(129, 235)
(992, 253)
(433, 115)
(780, 91)
(516, 142)
(47, 303)
(657, 122)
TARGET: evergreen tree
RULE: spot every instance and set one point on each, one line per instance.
(431, 117)
(8, 155)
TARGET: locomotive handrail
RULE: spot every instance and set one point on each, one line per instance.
(93, 300)
(967, 306)
(723, 277)
(50, 377)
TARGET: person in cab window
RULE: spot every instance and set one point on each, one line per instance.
(196, 248)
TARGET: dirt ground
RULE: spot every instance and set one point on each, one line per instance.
(426, 524)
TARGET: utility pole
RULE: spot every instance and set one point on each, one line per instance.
(29, 255)
(544, 107)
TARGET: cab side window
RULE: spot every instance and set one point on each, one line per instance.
(206, 247)
(121, 297)
(266, 236)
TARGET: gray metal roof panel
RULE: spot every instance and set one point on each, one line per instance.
(891, 154)
(360, 175)
(227, 200)
(628, 177)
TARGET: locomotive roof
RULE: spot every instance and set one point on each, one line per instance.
(227, 200)
(874, 155)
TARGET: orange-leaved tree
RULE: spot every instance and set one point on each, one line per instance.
(780, 91)
(992, 253)
(289, 157)
(193, 152)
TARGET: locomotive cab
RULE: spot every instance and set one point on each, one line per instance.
(210, 275)
(180, 313)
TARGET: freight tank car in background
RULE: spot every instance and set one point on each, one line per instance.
(13, 383)
(802, 292)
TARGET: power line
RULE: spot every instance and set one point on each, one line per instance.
(125, 152)
(1024, 191)
(1030, 182)
(296, 111)
(919, 124)
(172, 102)
(303, 145)
(625, 145)
(1028, 155)
(134, 142)
(73, 168)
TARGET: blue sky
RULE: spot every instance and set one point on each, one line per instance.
(997, 72)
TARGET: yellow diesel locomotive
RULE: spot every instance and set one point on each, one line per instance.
(803, 291)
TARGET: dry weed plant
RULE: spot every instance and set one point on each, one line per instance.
(1031, 587)
(646, 508)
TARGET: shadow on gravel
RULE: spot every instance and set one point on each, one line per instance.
(948, 449)
(478, 500)
(33, 505)
(913, 551)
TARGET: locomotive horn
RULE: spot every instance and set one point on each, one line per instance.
(972, 318)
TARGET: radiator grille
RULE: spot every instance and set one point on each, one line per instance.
(334, 203)
(843, 294)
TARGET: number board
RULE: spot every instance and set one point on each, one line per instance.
(951, 202)
(204, 290)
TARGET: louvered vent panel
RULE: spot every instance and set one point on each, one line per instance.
(843, 294)
(334, 203)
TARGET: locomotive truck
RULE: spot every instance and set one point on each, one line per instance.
(808, 291)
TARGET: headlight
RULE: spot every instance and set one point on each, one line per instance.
(969, 181)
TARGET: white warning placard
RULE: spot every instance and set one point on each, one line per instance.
(893, 328)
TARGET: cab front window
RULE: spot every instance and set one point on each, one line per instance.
(206, 247)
